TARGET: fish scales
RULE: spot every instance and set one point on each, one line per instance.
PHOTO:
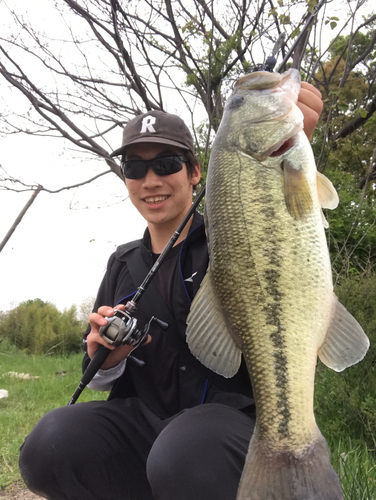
(268, 293)
(258, 282)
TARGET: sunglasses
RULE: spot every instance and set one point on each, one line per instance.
(163, 165)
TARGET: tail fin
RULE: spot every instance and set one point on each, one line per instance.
(284, 475)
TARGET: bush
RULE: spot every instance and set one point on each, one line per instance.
(345, 403)
(37, 327)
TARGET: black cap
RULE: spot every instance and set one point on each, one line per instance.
(158, 127)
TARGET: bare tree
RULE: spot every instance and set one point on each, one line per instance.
(118, 58)
(19, 218)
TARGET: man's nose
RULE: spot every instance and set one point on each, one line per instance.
(152, 179)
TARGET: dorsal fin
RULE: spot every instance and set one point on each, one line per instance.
(327, 193)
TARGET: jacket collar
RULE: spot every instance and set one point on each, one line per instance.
(196, 229)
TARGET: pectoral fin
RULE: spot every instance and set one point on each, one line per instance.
(297, 192)
(208, 335)
(346, 343)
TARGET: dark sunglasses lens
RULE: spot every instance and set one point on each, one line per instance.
(134, 169)
(168, 165)
(165, 165)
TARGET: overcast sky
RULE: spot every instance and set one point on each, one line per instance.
(59, 253)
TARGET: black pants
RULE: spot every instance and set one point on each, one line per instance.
(119, 449)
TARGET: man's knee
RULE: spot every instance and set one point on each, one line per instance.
(37, 452)
(57, 446)
(88, 451)
(200, 454)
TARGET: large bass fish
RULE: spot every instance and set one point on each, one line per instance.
(268, 292)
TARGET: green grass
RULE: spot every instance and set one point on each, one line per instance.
(356, 468)
(29, 400)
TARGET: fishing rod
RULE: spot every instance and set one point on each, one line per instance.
(270, 62)
(310, 19)
(121, 329)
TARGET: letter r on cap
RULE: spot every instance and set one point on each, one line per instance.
(147, 124)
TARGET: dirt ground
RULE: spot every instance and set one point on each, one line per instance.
(17, 491)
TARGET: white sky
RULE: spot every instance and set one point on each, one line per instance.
(57, 253)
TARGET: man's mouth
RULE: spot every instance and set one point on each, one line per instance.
(155, 199)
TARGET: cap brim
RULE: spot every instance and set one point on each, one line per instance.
(118, 151)
(156, 140)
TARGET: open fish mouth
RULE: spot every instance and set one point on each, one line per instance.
(286, 146)
(278, 149)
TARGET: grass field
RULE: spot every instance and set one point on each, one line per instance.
(58, 378)
(29, 400)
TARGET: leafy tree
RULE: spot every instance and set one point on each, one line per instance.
(345, 148)
(85, 309)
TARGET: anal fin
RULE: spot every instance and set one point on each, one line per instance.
(208, 335)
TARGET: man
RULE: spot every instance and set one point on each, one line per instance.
(171, 429)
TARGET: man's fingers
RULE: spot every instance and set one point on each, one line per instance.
(311, 104)
(314, 90)
(98, 318)
(106, 311)
(311, 97)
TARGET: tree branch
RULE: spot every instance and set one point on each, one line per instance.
(19, 218)
(357, 122)
(39, 187)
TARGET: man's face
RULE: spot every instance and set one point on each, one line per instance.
(161, 200)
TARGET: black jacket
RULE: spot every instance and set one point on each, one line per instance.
(169, 378)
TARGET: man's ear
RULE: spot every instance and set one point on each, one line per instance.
(196, 175)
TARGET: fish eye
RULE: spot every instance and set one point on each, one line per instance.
(236, 102)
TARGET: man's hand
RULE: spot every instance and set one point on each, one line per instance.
(94, 340)
(310, 103)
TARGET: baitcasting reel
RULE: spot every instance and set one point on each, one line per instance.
(121, 329)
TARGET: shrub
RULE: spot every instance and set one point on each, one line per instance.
(37, 327)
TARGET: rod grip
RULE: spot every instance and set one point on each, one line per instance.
(96, 362)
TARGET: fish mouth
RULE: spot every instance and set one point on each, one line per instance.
(286, 146)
